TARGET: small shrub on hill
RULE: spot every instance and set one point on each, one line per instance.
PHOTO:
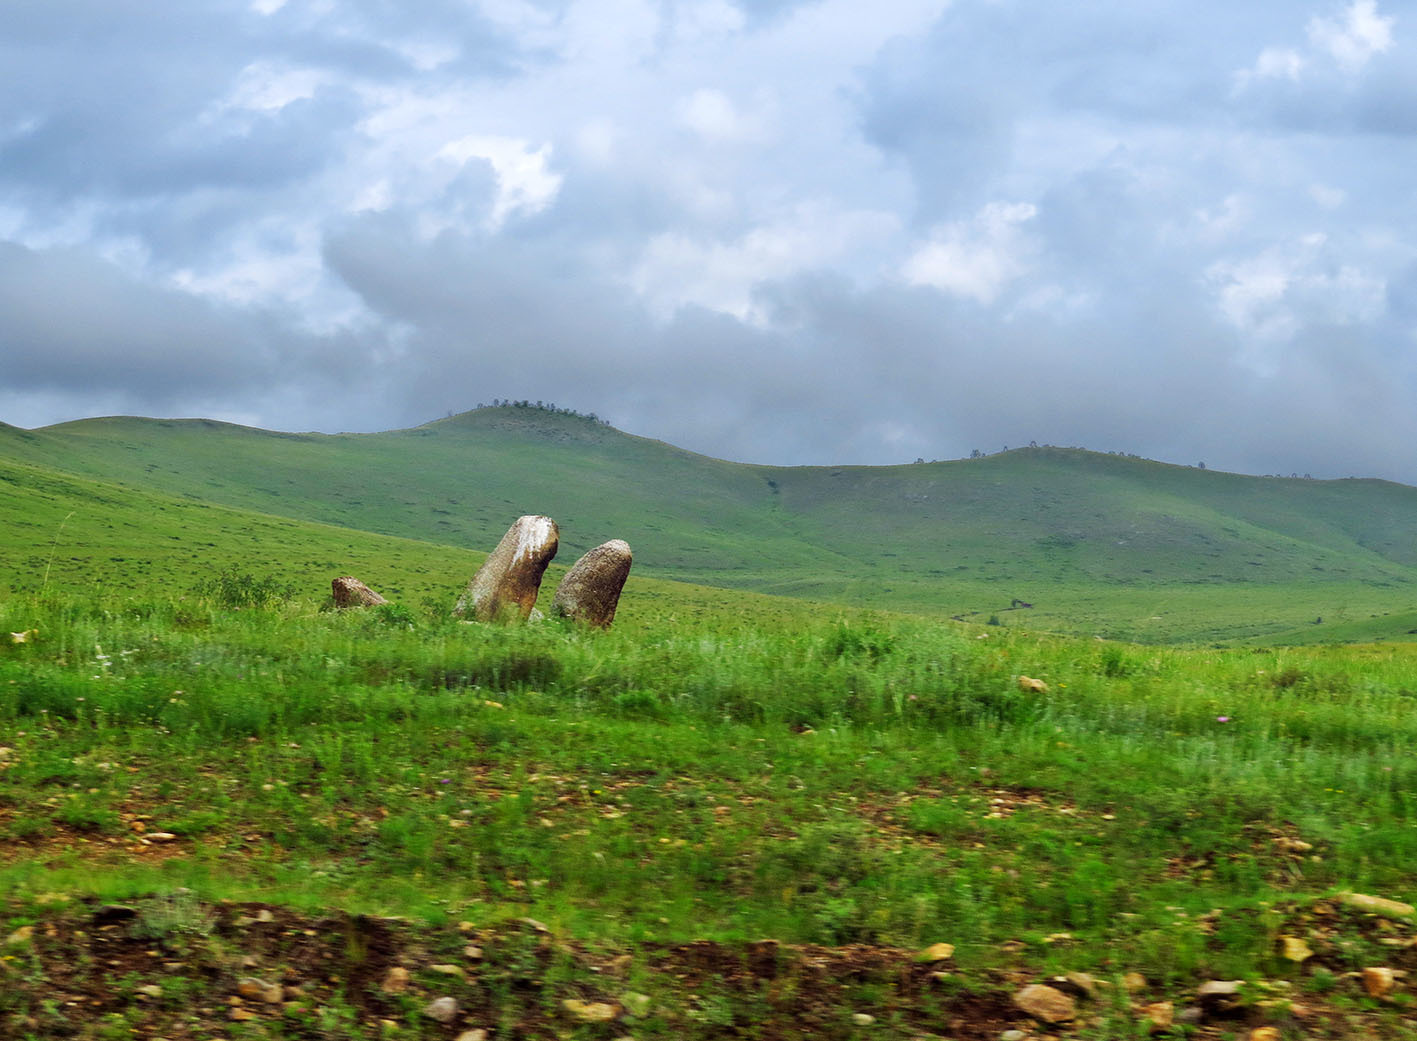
(237, 589)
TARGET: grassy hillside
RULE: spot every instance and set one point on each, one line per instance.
(66, 536)
(1098, 544)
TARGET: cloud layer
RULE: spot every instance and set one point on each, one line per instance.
(778, 231)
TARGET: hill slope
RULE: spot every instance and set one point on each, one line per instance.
(1097, 543)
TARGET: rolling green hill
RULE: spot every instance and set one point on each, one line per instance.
(1096, 543)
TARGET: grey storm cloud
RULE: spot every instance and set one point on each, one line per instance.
(782, 231)
(71, 322)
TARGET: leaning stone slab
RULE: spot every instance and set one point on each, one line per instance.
(590, 592)
(505, 587)
(350, 592)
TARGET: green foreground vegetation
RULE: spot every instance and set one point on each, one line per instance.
(813, 777)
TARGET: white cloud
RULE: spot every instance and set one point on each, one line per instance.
(265, 86)
(525, 184)
(1328, 197)
(267, 7)
(1234, 212)
(976, 258)
(712, 115)
(1273, 63)
(1269, 297)
(596, 140)
(678, 270)
(1355, 37)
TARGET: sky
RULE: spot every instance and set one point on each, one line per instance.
(774, 231)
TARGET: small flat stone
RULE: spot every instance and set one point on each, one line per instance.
(1046, 1004)
(1377, 905)
(1211, 989)
(636, 1004)
(396, 980)
(476, 1034)
(936, 952)
(590, 1011)
(1378, 981)
(1160, 1015)
(252, 988)
(348, 592)
(1295, 949)
(442, 1010)
(1078, 984)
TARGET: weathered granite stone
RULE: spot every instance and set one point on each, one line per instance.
(505, 587)
(350, 592)
(590, 592)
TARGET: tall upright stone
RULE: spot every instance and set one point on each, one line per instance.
(505, 587)
(590, 592)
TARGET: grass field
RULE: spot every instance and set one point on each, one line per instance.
(228, 811)
(862, 783)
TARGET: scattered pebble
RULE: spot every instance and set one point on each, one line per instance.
(1378, 905)
(590, 1011)
(443, 1010)
(1377, 981)
(936, 952)
(1160, 1014)
(396, 980)
(636, 1004)
(1295, 949)
(1046, 1004)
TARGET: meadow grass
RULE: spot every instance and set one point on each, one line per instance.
(863, 778)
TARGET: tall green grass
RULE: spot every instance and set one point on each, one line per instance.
(855, 777)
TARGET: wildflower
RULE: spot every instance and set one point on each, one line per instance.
(1222, 719)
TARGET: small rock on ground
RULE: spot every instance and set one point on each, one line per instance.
(443, 1010)
(1046, 1004)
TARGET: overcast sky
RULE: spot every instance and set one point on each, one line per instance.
(783, 231)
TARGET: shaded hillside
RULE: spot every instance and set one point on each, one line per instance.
(1095, 542)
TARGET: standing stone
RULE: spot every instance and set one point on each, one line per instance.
(350, 592)
(590, 592)
(505, 587)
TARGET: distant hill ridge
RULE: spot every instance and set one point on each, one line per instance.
(1084, 536)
